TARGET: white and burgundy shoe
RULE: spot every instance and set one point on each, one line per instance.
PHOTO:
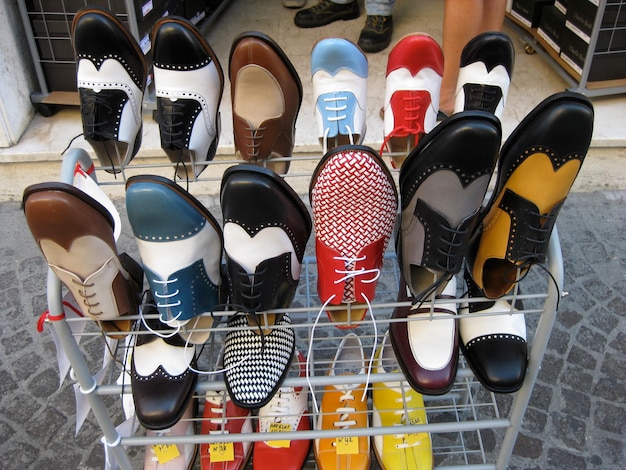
(111, 78)
(354, 202)
(339, 72)
(413, 80)
(189, 83)
(485, 74)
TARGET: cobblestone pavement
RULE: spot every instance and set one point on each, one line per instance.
(576, 418)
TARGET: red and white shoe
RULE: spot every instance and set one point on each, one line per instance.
(413, 80)
(354, 202)
(286, 412)
(222, 416)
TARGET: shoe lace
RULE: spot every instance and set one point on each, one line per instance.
(310, 349)
(322, 6)
(96, 115)
(171, 122)
(88, 298)
(95, 106)
(345, 411)
(482, 97)
(334, 105)
(351, 273)
(375, 23)
(451, 248)
(218, 410)
(252, 291)
(411, 439)
(253, 141)
(413, 112)
(167, 296)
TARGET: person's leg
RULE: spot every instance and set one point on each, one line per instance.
(376, 34)
(326, 12)
(463, 20)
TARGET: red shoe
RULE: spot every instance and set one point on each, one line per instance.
(354, 201)
(222, 416)
(413, 81)
(286, 412)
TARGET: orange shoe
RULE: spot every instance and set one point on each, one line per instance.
(344, 407)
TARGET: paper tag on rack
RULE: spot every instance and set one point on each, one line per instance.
(165, 452)
(347, 445)
(222, 452)
(280, 427)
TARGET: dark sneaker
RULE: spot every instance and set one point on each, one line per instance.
(326, 12)
(376, 34)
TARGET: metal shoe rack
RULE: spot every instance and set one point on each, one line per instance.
(458, 422)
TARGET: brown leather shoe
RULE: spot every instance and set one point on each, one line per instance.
(266, 94)
(75, 235)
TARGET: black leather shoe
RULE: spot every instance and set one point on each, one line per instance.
(326, 12)
(266, 228)
(376, 34)
(443, 183)
(493, 341)
(161, 378)
(111, 73)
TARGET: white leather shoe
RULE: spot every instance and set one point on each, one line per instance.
(189, 83)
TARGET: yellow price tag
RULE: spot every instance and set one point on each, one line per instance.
(347, 445)
(165, 452)
(222, 452)
(280, 427)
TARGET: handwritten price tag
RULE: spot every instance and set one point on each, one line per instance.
(165, 452)
(347, 445)
(280, 427)
(222, 452)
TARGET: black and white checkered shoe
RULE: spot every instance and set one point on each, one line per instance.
(257, 362)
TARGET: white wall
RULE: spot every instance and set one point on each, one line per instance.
(17, 76)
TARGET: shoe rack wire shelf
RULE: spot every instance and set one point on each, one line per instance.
(457, 420)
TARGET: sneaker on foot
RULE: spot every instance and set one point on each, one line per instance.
(376, 34)
(326, 12)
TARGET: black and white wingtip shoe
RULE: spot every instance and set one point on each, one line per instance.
(485, 73)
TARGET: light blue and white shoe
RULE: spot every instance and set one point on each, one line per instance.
(180, 244)
(339, 72)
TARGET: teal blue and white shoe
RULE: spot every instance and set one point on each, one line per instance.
(180, 244)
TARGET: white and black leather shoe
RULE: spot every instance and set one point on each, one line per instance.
(493, 341)
(485, 74)
(266, 229)
(111, 78)
(163, 374)
(189, 83)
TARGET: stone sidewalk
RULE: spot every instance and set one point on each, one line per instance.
(576, 418)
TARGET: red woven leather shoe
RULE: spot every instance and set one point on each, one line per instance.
(354, 203)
